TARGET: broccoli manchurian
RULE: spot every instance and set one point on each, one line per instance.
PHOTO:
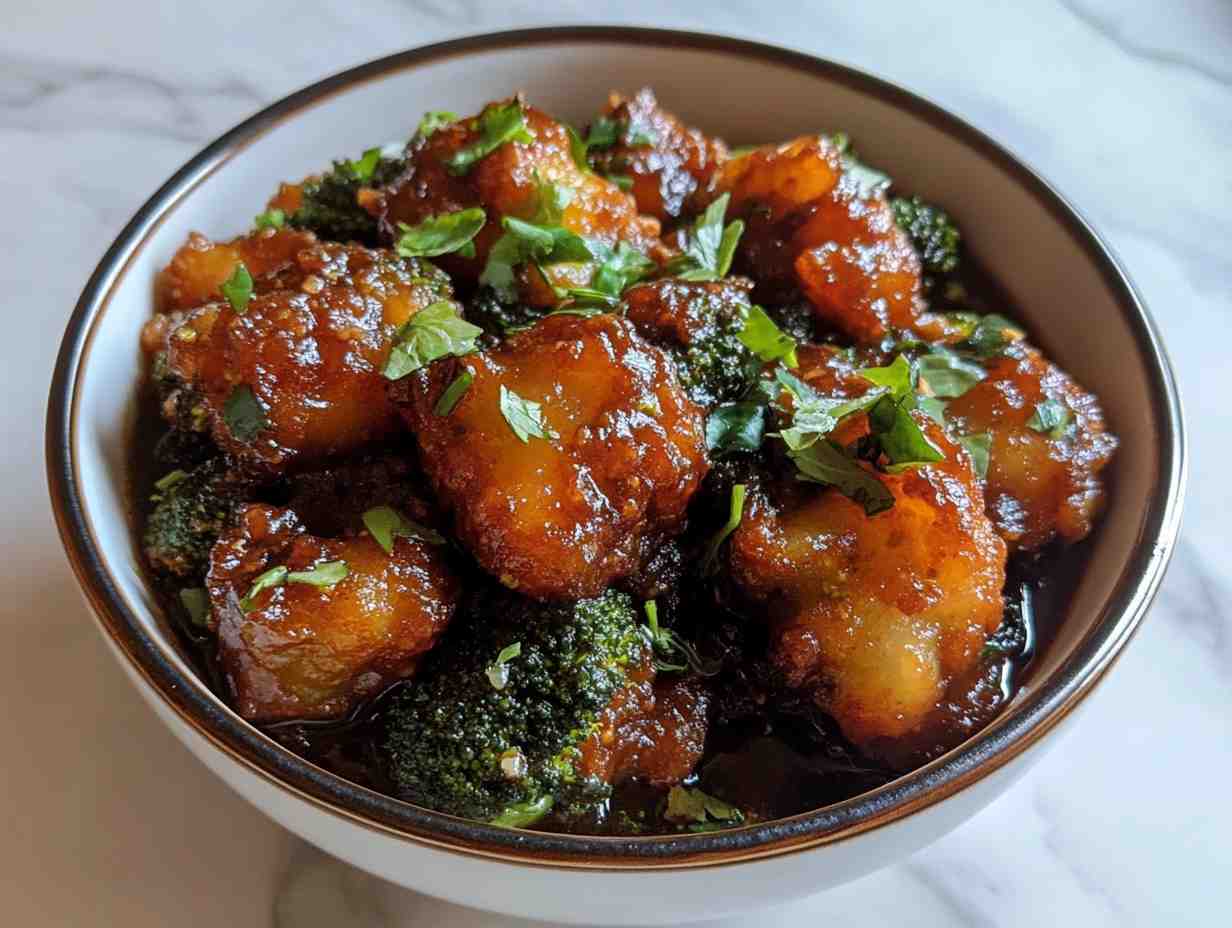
(547, 477)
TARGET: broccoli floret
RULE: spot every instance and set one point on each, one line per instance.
(191, 510)
(933, 233)
(490, 727)
(498, 317)
(716, 366)
(330, 205)
(796, 319)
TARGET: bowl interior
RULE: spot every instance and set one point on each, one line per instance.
(1068, 296)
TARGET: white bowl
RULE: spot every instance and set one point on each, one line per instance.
(1070, 292)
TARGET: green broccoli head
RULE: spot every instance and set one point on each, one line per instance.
(716, 366)
(498, 317)
(330, 206)
(491, 726)
(191, 510)
(931, 230)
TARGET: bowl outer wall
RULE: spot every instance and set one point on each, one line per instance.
(116, 594)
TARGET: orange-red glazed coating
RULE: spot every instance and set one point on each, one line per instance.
(312, 652)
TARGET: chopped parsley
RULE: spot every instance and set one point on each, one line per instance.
(498, 671)
(604, 133)
(894, 430)
(441, 235)
(766, 340)
(527, 241)
(243, 414)
(325, 574)
(991, 336)
(275, 576)
(434, 120)
(497, 125)
(363, 169)
(1051, 418)
(238, 288)
(977, 446)
(738, 426)
(525, 417)
(270, 219)
(667, 642)
(436, 331)
(946, 374)
(688, 805)
(825, 463)
(384, 524)
(453, 393)
(709, 245)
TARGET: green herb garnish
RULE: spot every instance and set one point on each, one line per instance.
(238, 288)
(275, 576)
(436, 331)
(243, 414)
(604, 133)
(524, 814)
(384, 524)
(667, 642)
(363, 169)
(825, 463)
(324, 574)
(270, 219)
(739, 426)
(623, 181)
(764, 338)
(991, 336)
(701, 811)
(441, 235)
(497, 125)
(709, 245)
(947, 374)
(453, 393)
(525, 417)
(527, 241)
(434, 120)
(498, 671)
(978, 447)
(1051, 418)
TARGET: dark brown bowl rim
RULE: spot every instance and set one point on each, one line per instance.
(986, 752)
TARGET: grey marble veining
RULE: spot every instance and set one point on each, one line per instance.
(1126, 106)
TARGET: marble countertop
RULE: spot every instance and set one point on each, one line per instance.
(1125, 105)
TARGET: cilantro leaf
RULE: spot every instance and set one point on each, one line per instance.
(689, 805)
(275, 576)
(453, 393)
(440, 235)
(270, 219)
(363, 169)
(1051, 418)
(527, 241)
(709, 245)
(896, 377)
(932, 407)
(765, 339)
(434, 120)
(619, 268)
(525, 417)
(898, 434)
(436, 331)
(327, 573)
(577, 150)
(498, 671)
(243, 414)
(739, 426)
(825, 463)
(814, 415)
(604, 133)
(384, 524)
(946, 374)
(497, 125)
(238, 288)
(978, 446)
(991, 336)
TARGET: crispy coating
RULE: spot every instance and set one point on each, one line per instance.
(310, 347)
(201, 266)
(562, 517)
(313, 652)
(809, 226)
(654, 730)
(674, 171)
(1039, 487)
(506, 183)
(874, 615)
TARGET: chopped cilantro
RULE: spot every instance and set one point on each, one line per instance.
(275, 576)
(604, 133)
(270, 219)
(363, 169)
(1051, 418)
(434, 120)
(436, 331)
(453, 393)
(825, 463)
(525, 417)
(947, 374)
(441, 235)
(243, 414)
(384, 524)
(688, 805)
(498, 671)
(238, 288)
(327, 573)
(738, 426)
(709, 245)
(497, 125)
(978, 447)
(766, 340)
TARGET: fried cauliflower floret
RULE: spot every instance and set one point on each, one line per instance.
(507, 183)
(301, 650)
(671, 166)
(875, 615)
(564, 515)
(653, 730)
(1042, 483)
(297, 376)
(810, 226)
(200, 267)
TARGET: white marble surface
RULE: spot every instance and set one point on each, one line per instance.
(1126, 106)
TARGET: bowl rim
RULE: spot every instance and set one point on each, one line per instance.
(989, 750)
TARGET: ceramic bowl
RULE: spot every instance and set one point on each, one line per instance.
(1064, 283)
